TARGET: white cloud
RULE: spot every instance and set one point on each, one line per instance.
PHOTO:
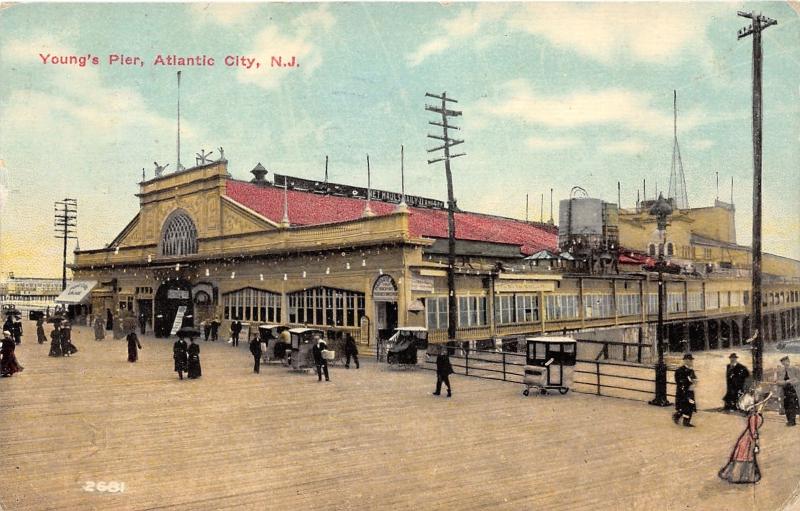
(603, 31)
(630, 146)
(226, 14)
(648, 32)
(28, 50)
(304, 42)
(614, 107)
(551, 143)
(469, 22)
(432, 47)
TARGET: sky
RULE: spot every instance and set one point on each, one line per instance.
(554, 95)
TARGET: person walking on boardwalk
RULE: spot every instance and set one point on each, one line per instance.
(109, 320)
(193, 351)
(133, 347)
(736, 376)
(206, 324)
(8, 360)
(787, 378)
(16, 331)
(142, 323)
(255, 349)
(67, 348)
(350, 350)
(215, 329)
(742, 466)
(685, 379)
(99, 330)
(180, 356)
(236, 328)
(8, 325)
(443, 371)
(55, 341)
(41, 337)
(319, 359)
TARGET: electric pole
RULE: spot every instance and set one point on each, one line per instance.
(447, 143)
(759, 23)
(66, 221)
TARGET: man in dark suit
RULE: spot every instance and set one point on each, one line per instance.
(350, 350)
(736, 376)
(319, 360)
(236, 328)
(443, 371)
(255, 349)
(685, 379)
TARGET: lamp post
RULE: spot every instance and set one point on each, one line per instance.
(661, 210)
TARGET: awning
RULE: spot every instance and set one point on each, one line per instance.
(76, 292)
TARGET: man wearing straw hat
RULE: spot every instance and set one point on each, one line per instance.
(787, 378)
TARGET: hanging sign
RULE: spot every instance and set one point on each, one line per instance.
(384, 289)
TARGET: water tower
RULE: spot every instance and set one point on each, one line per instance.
(588, 229)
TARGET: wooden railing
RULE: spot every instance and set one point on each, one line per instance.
(624, 380)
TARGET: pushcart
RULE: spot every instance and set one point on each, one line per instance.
(274, 350)
(401, 348)
(301, 357)
(550, 364)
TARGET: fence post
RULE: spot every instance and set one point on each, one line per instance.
(466, 361)
(598, 377)
(504, 366)
(624, 353)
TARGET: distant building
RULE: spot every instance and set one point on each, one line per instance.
(703, 239)
(29, 293)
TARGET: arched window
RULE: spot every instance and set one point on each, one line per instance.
(670, 249)
(651, 250)
(179, 236)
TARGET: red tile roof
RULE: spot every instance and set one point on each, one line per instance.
(307, 208)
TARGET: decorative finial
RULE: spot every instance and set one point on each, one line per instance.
(368, 210)
(221, 154)
(402, 207)
(258, 172)
(285, 220)
(160, 168)
(202, 157)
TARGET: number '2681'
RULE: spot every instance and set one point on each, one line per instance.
(104, 486)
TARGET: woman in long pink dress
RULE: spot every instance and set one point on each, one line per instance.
(742, 466)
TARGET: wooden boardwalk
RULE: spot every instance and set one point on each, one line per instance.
(370, 439)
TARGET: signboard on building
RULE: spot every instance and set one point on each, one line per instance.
(384, 289)
(178, 294)
(421, 284)
(356, 192)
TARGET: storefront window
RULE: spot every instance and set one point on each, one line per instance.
(326, 307)
(252, 305)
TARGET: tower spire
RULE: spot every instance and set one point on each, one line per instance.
(677, 179)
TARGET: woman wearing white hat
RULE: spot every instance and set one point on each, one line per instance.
(742, 466)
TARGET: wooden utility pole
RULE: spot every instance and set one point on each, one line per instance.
(66, 221)
(447, 143)
(759, 23)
